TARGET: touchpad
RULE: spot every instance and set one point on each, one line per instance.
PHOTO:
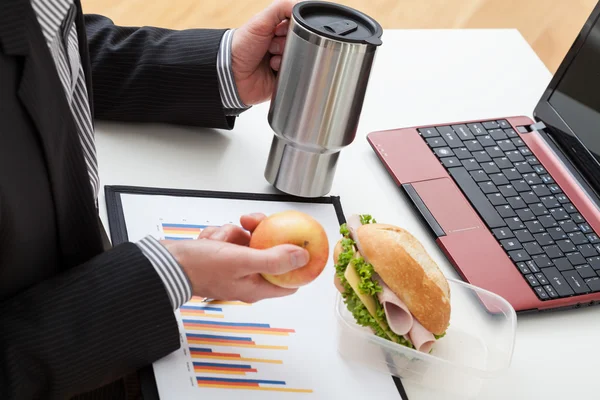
(448, 205)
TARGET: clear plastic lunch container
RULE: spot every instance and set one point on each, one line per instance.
(478, 345)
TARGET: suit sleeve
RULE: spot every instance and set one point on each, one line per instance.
(147, 74)
(85, 328)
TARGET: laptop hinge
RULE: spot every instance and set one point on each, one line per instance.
(538, 126)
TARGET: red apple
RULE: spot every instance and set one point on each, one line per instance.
(298, 228)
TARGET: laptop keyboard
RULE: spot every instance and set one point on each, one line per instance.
(541, 231)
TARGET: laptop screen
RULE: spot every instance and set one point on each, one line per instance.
(576, 99)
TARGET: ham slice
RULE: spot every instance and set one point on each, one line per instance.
(397, 314)
(420, 337)
(353, 224)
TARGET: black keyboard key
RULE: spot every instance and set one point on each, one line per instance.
(533, 248)
(534, 226)
(594, 262)
(559, 214)
(553, 251)
(436, 142)
(593, 238)
(473, 145)
(477, 129)
(481, 203)
(532, 178)
(482, 156)
(533, 267)
(547, 221)
(443, 152)
(452, 139)
(463, 132)
(541, 278)
(521, 186)
(587, 250)
(449, 162)
(486, 141)
(497, 134)
(523, 268)
(576, 282)
(540, 190)
(514, 156)
(544, 239)
(508, 190)
(570, 208)
(558, 281)
(462, 153)
(539, 169)
(503, 162)
(566, 246)
(577, 218)
(585, 228)
(529, 197)
(541, 261)
(523, 235)
(505, 211)
(547, 179)
(518, 141)
(551, 292)
(506, 145)
(519, 255)
(558, 233)
(525, 214)
(511, 133)
(479, 176)
(499, 179)
(541, 293)
(491, 125)
(575, 259)
(428, 132)
(516, 202)
(514, 223)
(471, 164)
(511, 244)
(523, 167)
(502, 233)
(488, 187)
(554, 189)
(562, 198)
(494, 151)
(503, 124)
(585, 271)
(512, 174)
(444, 129)
(563, 264)
(550, 202)
(525, 151)
(531, 160)
(496, 199)
(568, 226)
(532, 281)
(539, 209)
(490, 168)
(593, 284)
(578, 238)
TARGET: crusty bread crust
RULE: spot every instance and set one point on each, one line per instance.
(409, 271)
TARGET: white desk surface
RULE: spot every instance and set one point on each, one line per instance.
(419, 77)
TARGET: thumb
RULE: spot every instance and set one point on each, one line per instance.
(266, 21)
(277, 260)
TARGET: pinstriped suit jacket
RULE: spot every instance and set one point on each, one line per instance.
(75, 316)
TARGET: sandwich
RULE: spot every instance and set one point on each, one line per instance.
(390, 283)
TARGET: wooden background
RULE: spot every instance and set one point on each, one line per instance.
(549, 26)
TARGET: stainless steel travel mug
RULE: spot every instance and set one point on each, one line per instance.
(319, 94)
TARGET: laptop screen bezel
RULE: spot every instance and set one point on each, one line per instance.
(545, 112)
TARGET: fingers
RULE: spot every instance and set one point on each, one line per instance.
(277, 45)
(227, 233)
(275, 63)
(266, 290)
(282, 28)
(250, 221)
(274, 261)
(278, 11)
(207, 232)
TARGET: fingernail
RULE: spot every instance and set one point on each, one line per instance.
(299, 258)
(274, 47)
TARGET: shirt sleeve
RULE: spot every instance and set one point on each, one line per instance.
(229, 95)
(176, 282)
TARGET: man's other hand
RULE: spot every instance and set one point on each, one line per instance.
(256, 51)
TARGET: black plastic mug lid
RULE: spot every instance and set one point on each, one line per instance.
(339, 22)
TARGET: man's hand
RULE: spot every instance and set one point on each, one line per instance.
(256, 51)
(220, 265)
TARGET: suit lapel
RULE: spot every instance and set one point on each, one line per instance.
(42, 95)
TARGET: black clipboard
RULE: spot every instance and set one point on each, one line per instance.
(118, 234)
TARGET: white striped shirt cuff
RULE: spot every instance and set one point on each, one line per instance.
(176, 282)
(229, 95)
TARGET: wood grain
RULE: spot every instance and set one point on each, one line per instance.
(549, 26)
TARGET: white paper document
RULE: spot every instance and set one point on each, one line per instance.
(280, 349)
